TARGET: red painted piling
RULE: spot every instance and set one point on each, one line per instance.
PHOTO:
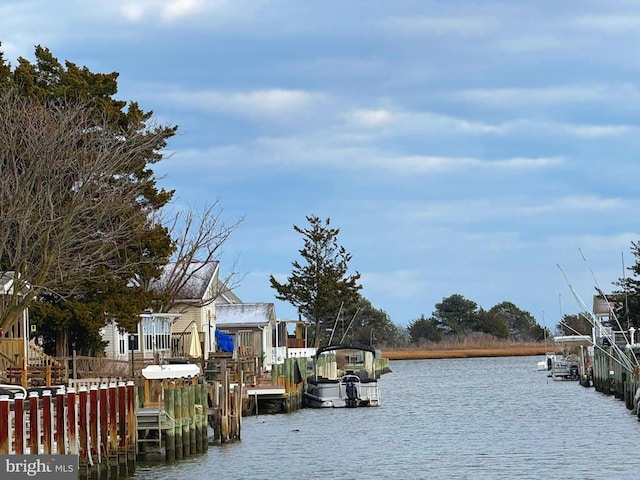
(71, 421)
(47, 427)
(19, 422)
(34, 434)
(93, 421)
(113, 420)
(82, 425)
(104, 418)
(4, 426)
(122, 415)
(60, 425)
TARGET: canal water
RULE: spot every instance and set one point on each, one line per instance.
(484, 418)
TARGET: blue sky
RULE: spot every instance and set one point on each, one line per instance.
(461, 147)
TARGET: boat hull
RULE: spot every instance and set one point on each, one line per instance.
(342, 394)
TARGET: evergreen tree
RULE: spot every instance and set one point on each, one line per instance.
(520, 324)
(79, 297)
(320, 287)
(424, 329)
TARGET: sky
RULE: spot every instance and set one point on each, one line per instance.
(486, 149)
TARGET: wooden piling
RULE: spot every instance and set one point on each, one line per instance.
(186, 435)
(60, 424)
(192, 419)
(122, 430)
(178, 423)
(169, 433)
(132, 433)
(82, 426)
(93, 422)
(104, 421)
(71, 421)
(113, 422)
(19, 422)
(34, 434)
(47, 427)
(4, 426)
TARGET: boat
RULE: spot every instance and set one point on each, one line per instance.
(566, 365)
(343, 376)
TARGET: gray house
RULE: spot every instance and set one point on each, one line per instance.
(255, 330)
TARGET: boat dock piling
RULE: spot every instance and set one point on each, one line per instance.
(614, 374)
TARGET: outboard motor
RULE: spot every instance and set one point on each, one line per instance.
(352, 394)
(573, 371)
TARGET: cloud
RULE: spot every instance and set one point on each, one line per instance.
(371, 118)
(403, 123)
(272, 103)
(144, 11)
(556, 95)
(616, 24)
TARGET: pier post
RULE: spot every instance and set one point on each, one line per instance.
(60, 425)
(122, 430)
(4, 426)
(178, 423)
(132, 432)
(19, 421)
(71, 422)
(113, 426)
(192, 420)
(82, 428)
(47, 427)
(186, 435)
(204, 420)
(34, 434)
(170, 437)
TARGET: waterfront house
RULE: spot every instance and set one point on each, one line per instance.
(196, 301)
(150, 341)
(255, 329)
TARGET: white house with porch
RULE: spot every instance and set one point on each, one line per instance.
(151, 340)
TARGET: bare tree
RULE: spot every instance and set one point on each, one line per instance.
(198, 238)
(68, 203)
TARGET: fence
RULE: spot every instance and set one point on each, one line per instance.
(98, 424)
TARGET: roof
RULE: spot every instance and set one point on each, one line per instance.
(199, 276)
(244, 314)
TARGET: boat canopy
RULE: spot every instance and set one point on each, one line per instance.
(330, 348)
(572, 338)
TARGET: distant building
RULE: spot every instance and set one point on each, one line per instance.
(255, 329)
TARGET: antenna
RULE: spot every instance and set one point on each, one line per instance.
(624, 290)
(336, 323)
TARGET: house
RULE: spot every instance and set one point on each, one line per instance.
(151, 341)
(197, 291)
(255, 330)
(196, 301)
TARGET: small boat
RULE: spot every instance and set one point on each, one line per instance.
(568, 365)
(343, 376)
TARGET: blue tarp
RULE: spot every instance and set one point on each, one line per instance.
(224, 341)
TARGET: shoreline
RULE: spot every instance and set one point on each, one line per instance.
(433, 354)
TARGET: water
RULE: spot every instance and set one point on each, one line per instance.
(486, 418)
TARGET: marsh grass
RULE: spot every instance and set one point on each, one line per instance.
(483, 346)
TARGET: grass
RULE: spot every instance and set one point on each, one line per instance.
(466, 349)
